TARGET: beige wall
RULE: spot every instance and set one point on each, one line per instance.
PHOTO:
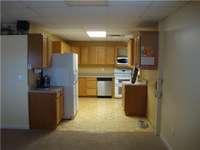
(151, 77)
(180, 121)
(14, 100)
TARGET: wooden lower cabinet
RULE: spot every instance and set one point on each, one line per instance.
(135, 100)
(46, 109)
(87, 86)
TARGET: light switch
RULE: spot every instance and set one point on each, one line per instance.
(20, 78)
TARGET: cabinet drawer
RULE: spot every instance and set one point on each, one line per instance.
(91, 79)
(91, 92)
(91, 84)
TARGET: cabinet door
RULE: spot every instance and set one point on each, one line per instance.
(110, 56)
(56, 47)
(92, 55)
(77, 51)
(137, 50)
(35, 50)
(65, 48)
(82, 86)
(130, 52)
(91, 92)
(100, 55)
(45, 52)
(149, 50)
(84, 55)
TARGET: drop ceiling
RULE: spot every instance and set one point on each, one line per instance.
(71, 19)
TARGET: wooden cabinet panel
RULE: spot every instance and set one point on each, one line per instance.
(35, 50)
(100, 52)
(38, 51)
(82, 86)
(135, 100)
(45, 109)
(146, 44)
(136, 55)
(91, 84)
(92, 55)
(130, 52)
(87, 86)
(91, 92)
(84, 55)
(110, 56)
(60, 47)
(45, 53)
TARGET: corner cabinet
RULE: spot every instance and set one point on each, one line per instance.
(38, 51)
(46, 109)
(60, 47)
(146, 43)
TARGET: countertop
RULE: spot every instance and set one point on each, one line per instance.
(53, 89)
(144, 82)
(97, 75)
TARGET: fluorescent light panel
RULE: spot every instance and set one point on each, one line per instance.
(96, 34)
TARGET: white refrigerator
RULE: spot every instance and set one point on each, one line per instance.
(64, 72)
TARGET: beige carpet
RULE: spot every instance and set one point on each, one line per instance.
(69, 140)
(99, 125)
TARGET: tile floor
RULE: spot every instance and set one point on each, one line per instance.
(101, 115)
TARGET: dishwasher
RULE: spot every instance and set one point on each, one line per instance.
(104, 87)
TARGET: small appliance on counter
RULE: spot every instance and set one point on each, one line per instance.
(134, 75)
(122, 60)
(42, 81)
(46, 81)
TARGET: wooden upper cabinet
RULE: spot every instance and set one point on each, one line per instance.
(84, 55)
(148, 46)
(77, 51)
(37, 51)
(60, 47)
(92, 55)
(130, 52)
(136, 54)
(110, 55)
(100, 55)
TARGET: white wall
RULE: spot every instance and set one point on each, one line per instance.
(180, 69)
(14, 100)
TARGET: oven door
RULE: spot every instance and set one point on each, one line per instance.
(118, 85)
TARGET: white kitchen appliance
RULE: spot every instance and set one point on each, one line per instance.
(121, 76)
(64, 72)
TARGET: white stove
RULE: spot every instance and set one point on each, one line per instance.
(121, 76)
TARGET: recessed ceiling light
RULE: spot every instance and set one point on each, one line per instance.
(96, 34)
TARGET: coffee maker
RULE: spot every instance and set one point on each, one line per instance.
(43, 81)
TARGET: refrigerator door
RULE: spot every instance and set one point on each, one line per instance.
(64, 72)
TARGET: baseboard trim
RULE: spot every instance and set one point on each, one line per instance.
(14, 126)
(166, 143)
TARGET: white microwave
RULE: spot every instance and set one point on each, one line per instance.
(122, 60)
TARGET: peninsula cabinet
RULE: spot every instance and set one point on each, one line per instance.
(135, 100)
(46, 108)
(37, 51)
